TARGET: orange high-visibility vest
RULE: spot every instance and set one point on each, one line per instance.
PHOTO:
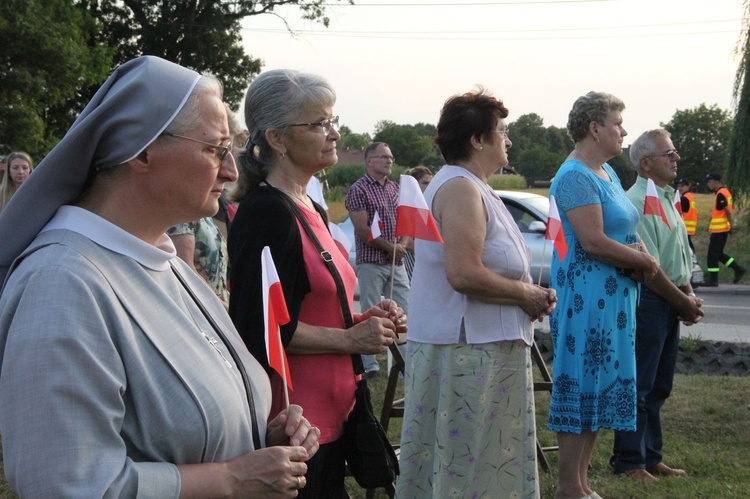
(691, 216)
(719, 221)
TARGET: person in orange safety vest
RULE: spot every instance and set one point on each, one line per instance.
(688, 209)
(720, 228)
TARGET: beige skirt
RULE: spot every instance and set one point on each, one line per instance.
(469, 428)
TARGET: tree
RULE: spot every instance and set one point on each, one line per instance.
(74, 44)
(537, 151)
(701, 135)
(738, 158)
(353, 140)
(46, 57)
(408, 146)
(204, 35)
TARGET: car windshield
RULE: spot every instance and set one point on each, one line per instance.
(540, 204)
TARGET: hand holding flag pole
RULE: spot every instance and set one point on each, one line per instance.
(275, 314)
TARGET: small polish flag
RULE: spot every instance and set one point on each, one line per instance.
(677, 201)
(376, 228)
(275, 314)
(344, 243)
(555, 231)
(652, 205)
(413, 217)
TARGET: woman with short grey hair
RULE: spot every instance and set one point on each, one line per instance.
(593, 327)
(293, 135)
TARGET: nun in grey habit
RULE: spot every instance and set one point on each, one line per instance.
(121, 375)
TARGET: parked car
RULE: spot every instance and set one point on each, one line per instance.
(530, 213)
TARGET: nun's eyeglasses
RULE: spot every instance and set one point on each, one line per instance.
(221, 151)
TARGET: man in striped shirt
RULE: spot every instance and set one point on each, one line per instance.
(375, 192)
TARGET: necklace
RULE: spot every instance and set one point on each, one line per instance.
(210, 339)
(306, 201)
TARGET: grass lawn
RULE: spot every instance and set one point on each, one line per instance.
(707, 432)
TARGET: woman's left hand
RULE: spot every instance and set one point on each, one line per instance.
(388, 309)
(289, 427)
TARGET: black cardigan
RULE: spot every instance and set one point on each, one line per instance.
(264, 218)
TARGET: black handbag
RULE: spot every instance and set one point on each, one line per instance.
(370, 456)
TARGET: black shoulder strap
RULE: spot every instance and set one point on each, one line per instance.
(328, 260)
(232, 352)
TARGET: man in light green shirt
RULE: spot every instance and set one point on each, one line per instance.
(666, 300)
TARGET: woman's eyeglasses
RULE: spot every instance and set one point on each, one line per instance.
(325, 125)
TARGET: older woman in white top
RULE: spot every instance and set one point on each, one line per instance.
(469, 424)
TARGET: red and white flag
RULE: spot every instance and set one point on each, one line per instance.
(678, 201)
(555, 231)
(652, 205)
(275, 314)
(413, 217)
(376, 228)
(342, 241)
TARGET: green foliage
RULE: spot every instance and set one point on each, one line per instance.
(344, 175)
(701, 135)
(411, 145)
(621, 166)
(56, 53)
(408, 146)
(507, 182)
(537, 151)
(353, 140)
(737, 167)
(47, 56)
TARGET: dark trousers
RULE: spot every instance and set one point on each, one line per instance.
(656, 344)
(716, 254)
(325, 473)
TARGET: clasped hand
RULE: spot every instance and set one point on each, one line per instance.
(541, 303)
(692, 313)
(279, 469)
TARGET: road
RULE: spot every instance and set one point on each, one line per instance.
(727, 314)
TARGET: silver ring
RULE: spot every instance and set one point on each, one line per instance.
(299, 483)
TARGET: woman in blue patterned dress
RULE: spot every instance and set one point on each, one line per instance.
(593, 327)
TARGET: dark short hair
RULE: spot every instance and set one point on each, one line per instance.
(473, 114)
(371, 148)
(418, 172)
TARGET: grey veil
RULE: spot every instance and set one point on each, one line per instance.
(129, 111)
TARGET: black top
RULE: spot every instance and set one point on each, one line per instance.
(264, 219)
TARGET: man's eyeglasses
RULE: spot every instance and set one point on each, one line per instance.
(382, 156)
(673, 154)
(503, 133)
(325, 125)
(221, 151)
